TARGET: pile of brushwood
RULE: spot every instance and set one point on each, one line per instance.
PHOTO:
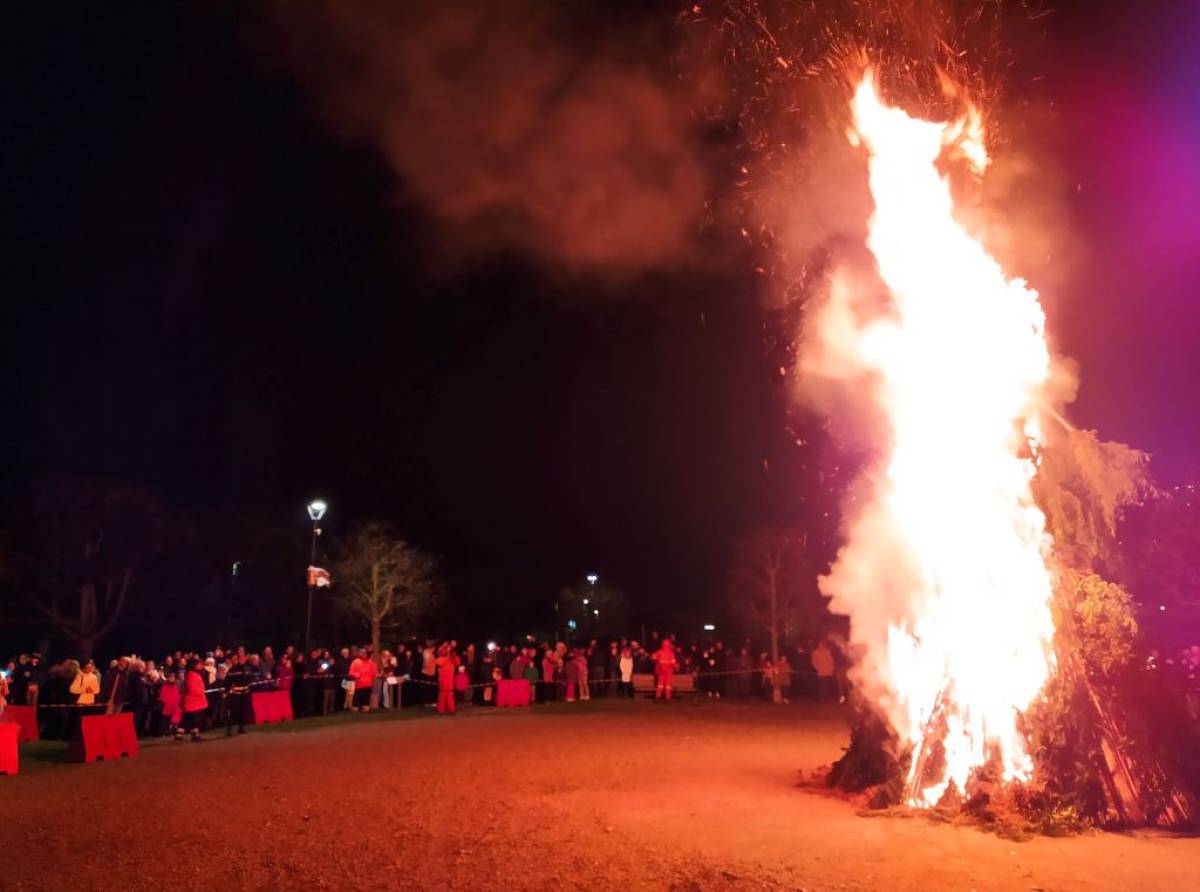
(1109, 739)
(1110, 736)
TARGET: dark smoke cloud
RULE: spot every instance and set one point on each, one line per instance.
(518, 124)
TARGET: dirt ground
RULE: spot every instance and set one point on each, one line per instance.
(572, 796)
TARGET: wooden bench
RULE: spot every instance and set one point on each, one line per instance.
(683, 683)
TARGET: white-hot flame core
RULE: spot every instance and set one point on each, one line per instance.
(944, 572)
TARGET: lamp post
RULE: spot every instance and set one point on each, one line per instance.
(316, 510)
(592, 579)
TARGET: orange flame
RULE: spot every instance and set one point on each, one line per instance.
(944, 573)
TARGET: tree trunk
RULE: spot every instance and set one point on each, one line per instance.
(84, 648)
(87, 609)
(376, 635)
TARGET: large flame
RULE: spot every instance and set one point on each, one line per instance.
(944, 574)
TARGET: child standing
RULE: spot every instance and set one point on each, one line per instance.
(531, 675)
(169, 697)
(460, 686)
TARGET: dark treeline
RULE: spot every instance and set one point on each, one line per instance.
(94, 566)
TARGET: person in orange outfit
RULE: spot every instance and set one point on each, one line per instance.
(362, 673)
(664, 669)
(447, 665)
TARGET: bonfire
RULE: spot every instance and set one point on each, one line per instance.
(973, 603)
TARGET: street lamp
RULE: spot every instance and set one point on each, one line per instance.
(592, 579)
(316, 510)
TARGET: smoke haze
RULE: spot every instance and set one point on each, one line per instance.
(515, 123)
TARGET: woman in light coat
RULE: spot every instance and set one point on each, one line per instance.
(626, 667)
(86, 685)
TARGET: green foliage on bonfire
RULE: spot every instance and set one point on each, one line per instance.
(1100, 621)
(1083, 485)
(1095, 644)
(1102, 713)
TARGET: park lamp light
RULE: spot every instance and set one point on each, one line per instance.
(709, 627)
(592, 578)
(316, 509)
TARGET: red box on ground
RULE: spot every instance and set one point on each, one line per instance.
(25, 718)
(512, 692)
(8, 748)
(107, 737)
(122, 737)
(271, 706)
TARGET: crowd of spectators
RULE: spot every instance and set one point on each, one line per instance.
(184, 693)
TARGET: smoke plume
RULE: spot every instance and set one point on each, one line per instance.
(517, 124)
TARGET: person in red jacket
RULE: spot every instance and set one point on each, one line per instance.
(195, 702)
(664, 669)
(362, 673)
(461, 684)
(447, 665)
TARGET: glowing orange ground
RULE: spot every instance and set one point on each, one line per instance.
(595, 796)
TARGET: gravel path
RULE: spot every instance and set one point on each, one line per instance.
(582, 796)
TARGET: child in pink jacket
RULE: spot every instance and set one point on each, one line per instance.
(168, 696)
(460, 685)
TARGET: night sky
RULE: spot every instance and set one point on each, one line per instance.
(214, 290)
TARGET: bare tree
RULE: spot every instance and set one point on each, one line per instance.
(380, 579)
(87, 542)
(769, 580)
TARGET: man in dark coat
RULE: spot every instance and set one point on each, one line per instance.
(341, 672)
(113, 687)
(597, 669)
(18, 683)
(136, 695)
(237, 695)
(35, 679)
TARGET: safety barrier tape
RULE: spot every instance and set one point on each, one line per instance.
(226, 692)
